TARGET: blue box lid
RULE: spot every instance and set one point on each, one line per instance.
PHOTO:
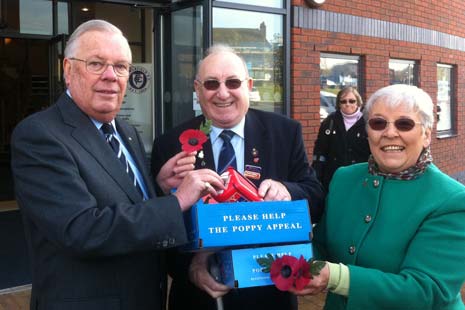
(241, 224)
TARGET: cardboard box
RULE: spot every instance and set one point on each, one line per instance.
(239, 224)
(239, 267)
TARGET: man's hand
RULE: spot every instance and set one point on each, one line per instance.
(196, 184)
(272, 190)
(174, 170)
(199, 275)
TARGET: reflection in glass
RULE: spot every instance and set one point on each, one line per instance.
(185, 49)
(444, 111)
(270, 3)
(336, 72)
(35, 17)
(402, 72)
(62, 18)
(258, 38)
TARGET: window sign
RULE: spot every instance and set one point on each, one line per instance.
(444, 107)
(137, 107)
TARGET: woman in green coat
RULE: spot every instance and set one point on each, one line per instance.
(393, 233)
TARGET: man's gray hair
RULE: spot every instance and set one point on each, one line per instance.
(219, 49)
(91, 25)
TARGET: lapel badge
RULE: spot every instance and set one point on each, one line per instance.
(130, 139)
(256, 159)
(201, 155)
(252, 172)
(327, 132)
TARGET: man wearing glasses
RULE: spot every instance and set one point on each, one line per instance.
(95, 230)
(267, 148)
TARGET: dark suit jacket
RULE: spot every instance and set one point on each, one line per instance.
(94, 243)
(282, 157)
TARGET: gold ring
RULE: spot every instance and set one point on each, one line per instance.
(207, 185)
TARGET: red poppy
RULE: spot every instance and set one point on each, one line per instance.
(303, 275)
(282, 272)
(192, 140)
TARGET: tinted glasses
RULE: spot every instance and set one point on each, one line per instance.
(215, 84)
(345, 101)
(401, 124)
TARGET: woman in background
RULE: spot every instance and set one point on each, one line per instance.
(342, 138)
(393, 229)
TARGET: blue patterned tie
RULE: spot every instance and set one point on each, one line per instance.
(227, 155)
(116, 147)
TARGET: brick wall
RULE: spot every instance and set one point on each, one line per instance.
(307, 44)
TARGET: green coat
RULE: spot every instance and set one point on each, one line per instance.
(403, 241)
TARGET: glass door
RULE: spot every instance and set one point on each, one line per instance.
(181, 47)
(56, 55)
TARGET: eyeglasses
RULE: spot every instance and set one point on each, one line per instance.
(345, 101)
(401, 124)
(215, 84)
(98, 67)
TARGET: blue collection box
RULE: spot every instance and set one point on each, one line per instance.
(239, 224)
(239, 267)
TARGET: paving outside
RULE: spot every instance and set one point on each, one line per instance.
(312, 302)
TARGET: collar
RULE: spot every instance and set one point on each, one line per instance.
(238, 130)
(99, 124)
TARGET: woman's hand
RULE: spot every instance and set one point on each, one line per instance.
(316, 285)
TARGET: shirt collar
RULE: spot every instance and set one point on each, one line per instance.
(99, 124)
(238, 130)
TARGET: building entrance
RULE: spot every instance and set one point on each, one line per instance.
(24, 89)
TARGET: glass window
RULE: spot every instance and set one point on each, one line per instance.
(444, 108)
(185, 53)
(270, 3)
(36, 17)
(63, 18)
(258, 38)
(336, 72)
(402, 72)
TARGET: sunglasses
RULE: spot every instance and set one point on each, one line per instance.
(215, 84)
(401, 124)
(345, 101)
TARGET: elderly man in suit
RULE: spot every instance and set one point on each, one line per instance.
(95, 230)
(268, 149)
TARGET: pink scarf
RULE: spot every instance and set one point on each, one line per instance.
(351, 119)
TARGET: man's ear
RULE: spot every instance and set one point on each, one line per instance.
(250, 83)
(66, 70)
(197, 86)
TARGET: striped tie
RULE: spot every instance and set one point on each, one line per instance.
(227, 155)
(116, 147)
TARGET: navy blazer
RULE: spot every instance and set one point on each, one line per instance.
(282, 157)
(94, 243)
